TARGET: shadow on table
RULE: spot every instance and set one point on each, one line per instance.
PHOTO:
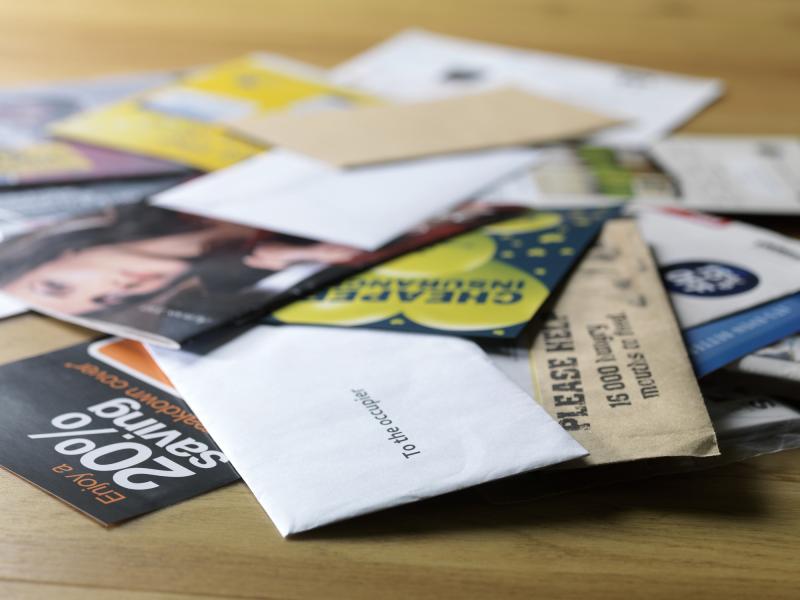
(728, 491)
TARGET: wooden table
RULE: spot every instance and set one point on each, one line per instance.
(728, 533)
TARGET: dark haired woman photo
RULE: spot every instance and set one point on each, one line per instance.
(109, 266)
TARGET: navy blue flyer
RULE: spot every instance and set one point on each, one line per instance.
(99, 427)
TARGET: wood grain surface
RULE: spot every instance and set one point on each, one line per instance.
(728, 533)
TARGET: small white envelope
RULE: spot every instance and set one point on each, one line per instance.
(326, 424)
(716, 267)
(365, 207)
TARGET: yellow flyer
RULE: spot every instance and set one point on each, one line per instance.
(486, 283)
(185, 122)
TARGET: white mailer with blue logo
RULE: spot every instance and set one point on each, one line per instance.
(716, 267)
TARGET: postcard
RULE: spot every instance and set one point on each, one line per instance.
(713, 345)
(375, 134)
(488, 283)
(734, 174)
(185, 121)
(586, 175)
(327, 424)
(609, 362)
(156, 275)
(365, 207)
(421, 65)
(99, 427)
(727, 174)
(715, 267)
(28, 155)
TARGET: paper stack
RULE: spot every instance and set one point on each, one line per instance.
(443, 264)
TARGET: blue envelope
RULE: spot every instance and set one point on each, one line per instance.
(713, 345)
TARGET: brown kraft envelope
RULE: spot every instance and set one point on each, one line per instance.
(610, 364)
(374, 134)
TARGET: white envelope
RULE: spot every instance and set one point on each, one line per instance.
(716, 267)
(366, 207)
(326, 424)
(419, 65)
(10, 306)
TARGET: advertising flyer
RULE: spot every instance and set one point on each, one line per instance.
(160, 276)
(487, 283)
(28, 155)
(185, 121)
(99, 426)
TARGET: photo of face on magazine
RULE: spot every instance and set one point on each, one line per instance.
(164, 277)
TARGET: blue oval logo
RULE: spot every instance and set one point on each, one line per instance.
(708, 279)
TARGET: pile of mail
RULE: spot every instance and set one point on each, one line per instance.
(441, 264)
